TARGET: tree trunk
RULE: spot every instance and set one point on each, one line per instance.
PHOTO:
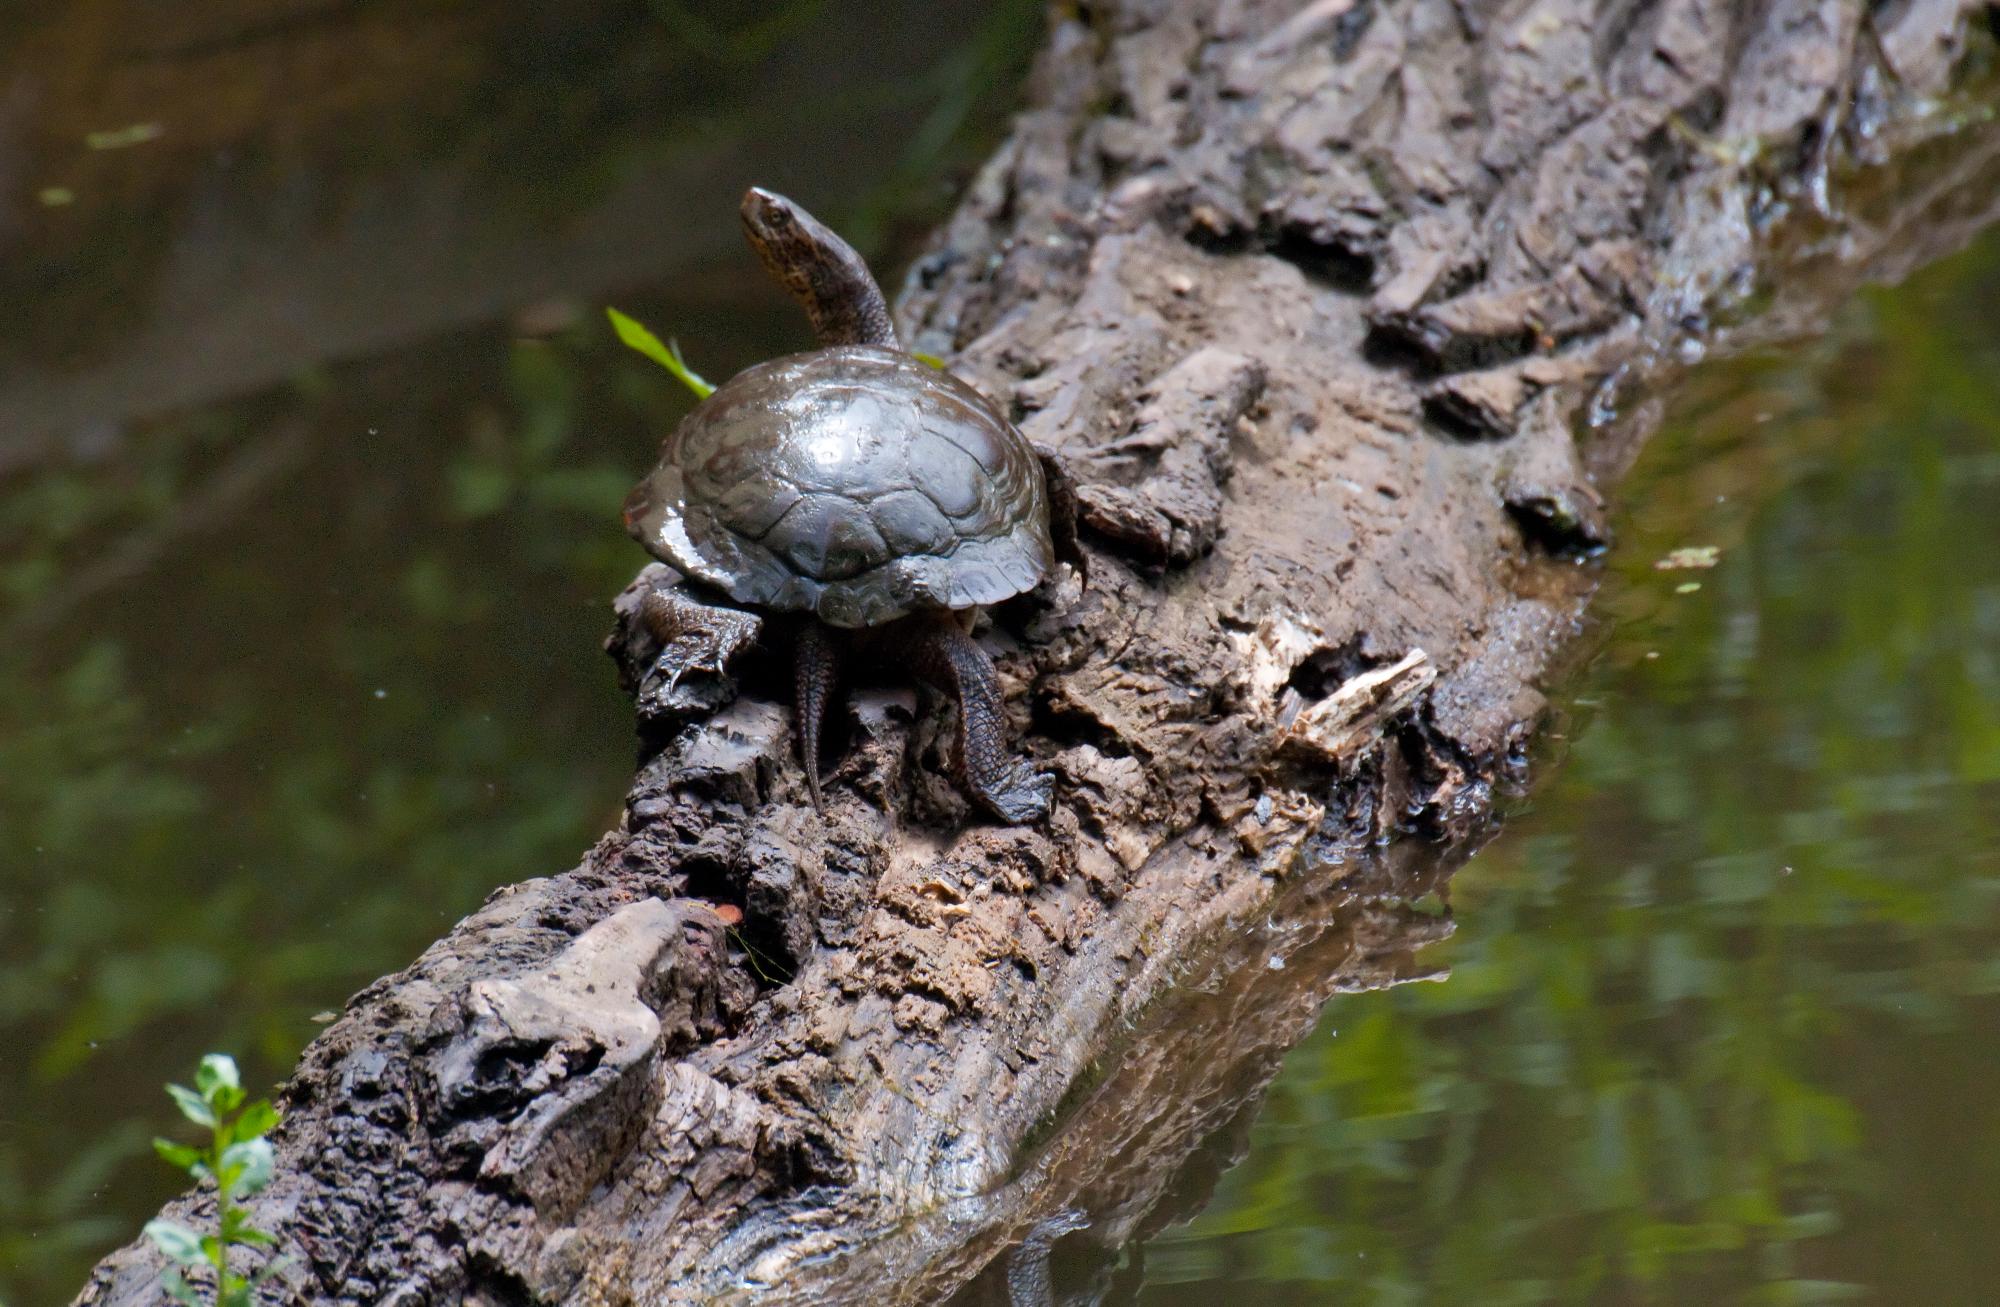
(1314, 298)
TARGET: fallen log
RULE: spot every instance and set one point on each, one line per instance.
(1315, 300)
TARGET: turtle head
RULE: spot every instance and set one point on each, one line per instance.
(775, 223)
(823, 272)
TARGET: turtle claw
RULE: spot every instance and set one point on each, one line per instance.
(694, 638)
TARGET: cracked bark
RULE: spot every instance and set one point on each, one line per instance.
(1314, 299)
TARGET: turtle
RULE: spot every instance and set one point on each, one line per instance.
(870, 492)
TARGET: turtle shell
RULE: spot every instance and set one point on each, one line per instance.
(856, 483)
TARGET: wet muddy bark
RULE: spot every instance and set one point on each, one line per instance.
(1319, 301)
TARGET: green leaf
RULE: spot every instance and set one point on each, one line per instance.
(636, 336)
(247, 1166)
(931, 359)
(193, 1106)
(217, 1071)
(178, 1288)
(185, 1156)
(256, 1121)
(179, 1243)
(254, 1237)
(688, 375)
(218, 1082)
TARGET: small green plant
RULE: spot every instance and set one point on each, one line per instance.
(639, 336)
(634, 333)
(238, 1161)
(668, 353)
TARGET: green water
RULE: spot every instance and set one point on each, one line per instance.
(1723, 1023)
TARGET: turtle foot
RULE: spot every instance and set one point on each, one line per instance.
(1021, 798)
(689, 676)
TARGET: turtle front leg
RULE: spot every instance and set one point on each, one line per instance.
(817, 668)
(948, 658)
(675, 652)
(695, 637)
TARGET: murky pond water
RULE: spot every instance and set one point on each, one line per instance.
(312, 449)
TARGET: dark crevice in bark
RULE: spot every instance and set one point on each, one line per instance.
(1323, 671)
(1335, 266)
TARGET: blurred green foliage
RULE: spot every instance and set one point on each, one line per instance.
(1725, 1013)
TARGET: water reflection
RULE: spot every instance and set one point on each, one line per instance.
(311, 446)
(1724, 1015)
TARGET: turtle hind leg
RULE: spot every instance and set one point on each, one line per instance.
(817, 668)
(948, 658)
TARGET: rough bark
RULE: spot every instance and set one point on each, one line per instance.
(1313, 298)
